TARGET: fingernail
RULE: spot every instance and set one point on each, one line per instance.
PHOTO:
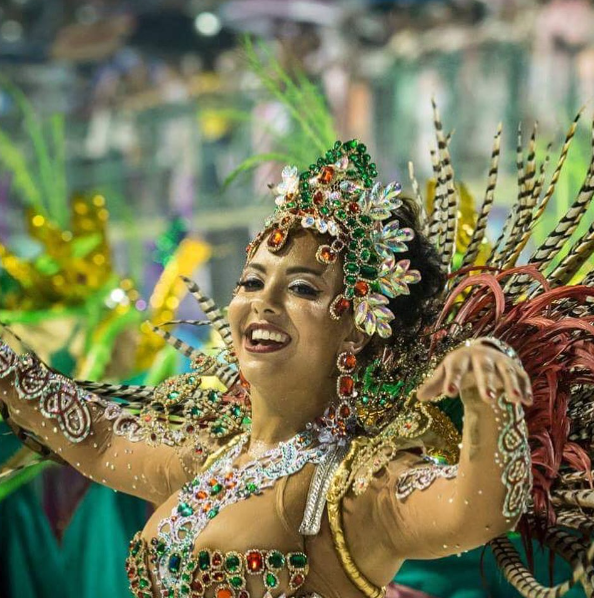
(490, 393)
(452, 388)
(516, 392)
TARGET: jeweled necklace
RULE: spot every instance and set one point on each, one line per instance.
(219, 486)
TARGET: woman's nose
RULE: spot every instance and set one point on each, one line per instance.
(267, 302)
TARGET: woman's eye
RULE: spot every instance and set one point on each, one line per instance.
(250, 284)
(302, 288)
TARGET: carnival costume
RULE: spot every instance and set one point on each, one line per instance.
(377, 445)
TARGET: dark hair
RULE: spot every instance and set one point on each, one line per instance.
(416, 311)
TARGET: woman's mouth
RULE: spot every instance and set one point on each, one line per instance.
(265, 338)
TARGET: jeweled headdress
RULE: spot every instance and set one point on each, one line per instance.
(337, 197)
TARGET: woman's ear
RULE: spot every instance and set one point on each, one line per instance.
(355, 341)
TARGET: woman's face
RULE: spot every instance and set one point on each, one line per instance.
(280, 317)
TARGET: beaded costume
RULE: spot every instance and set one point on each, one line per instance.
(293, 520)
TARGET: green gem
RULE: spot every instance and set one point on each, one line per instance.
(232, 563)
(203, 560)
(366, 243)
(304, 176)
(312, 168)
(382, 402)
(305, 185)
(361, 148)
(367, 182)
(341, 214)
(298, 560)
(366, 158)
(290, 204)
(365, 254)
(351, 268)
(217, 430)
(354, 245)
(349, 292)
(351, 256)
(324, 210)
(143, 583)
(213, 396)
(213, 513)
(135, 548)
(251, 488)
(373, 167)
(187, 578)
(350, 279)
(351, 173)
(330, 155)
(184, 509)
(337, 145)
(369, 271)
(321, 162)
(271, 580)
(216, 489)
(185, 589)
(276, 560)
(306, 196)
(161, 548)
(236, 582)
(195, 411)
(365, 219)
(364, 400)
(359, 233)
(236, 410)
(336, 203)
(173, 395)
(373, 259)
(352, 144)
(170, 594)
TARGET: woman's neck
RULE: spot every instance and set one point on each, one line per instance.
(276, 418)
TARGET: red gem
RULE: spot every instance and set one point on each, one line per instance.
(344, 411)
(346, 386)
(243, 594)
(348, 361)
(353, 208)
(297, 580)
(341, 306)
(206, 578)
(318, 198)
(276, 238)
(326, 174)
(197, 586)
(361, 288)
(254, 561)
(218, 576)
(217, 559)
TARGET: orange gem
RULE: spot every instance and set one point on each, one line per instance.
(201, 495)
(326, 174)
(361, 288)
(224, 593)
(327, 254)
(318, 198)
(276, 238)
(346, 386)
(348, 361)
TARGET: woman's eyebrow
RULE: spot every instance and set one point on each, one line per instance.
(289, 271)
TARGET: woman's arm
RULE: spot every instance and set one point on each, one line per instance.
(88, 432)
(428, 511)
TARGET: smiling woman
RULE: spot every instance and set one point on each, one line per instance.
(328, 461)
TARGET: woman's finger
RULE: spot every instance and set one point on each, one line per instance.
(454, 371)
(507, 371)
(432, 388)
(482, 368)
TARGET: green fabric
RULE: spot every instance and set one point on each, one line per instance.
(460, 577)
(90, 562)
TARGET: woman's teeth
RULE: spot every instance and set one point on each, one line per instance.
(268, 335)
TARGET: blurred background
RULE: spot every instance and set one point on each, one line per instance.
(122, 124)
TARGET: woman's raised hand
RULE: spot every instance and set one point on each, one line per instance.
(481, 367)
